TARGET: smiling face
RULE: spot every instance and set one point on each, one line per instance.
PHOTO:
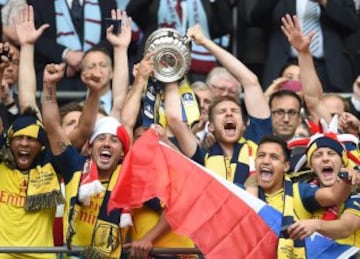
(106, 151)
(326, 163)
(226, 122)
(25, 149)
(270, 165)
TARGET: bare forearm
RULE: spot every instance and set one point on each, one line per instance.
(336, 194)
(340, 228)
(312, 88)
(27, 79)
(172, 104)
(132, 102)
(245, 76)
(57, 139)
(87, 120)
(50, 109)
(120, 84)
(158, 230)
(257, 107)
(183, 134)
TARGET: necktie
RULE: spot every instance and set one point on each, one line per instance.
(312, 23)
(76, 13)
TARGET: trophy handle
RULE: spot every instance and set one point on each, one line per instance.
(187, 40)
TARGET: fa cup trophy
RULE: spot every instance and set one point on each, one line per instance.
(172, 54)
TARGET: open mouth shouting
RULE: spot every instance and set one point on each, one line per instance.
(230, 128)
(265, 174)
(327, 172)
(105, 156)
(24, 158)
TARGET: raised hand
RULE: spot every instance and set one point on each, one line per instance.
(25, 27)
(93, 80)
(5, 96)
(292, 30)
(123, 38)
(349, 123)
(146, 67)
(6, 54)
(53, 73)
(275, 86)
(74, 59)
(196, 34)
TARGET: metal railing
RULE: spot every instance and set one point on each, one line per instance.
(78, 250)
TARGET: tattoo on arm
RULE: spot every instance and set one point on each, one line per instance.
(49, 95)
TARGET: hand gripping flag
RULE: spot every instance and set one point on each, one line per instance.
(222, 219)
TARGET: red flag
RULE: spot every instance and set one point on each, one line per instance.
(197, 205)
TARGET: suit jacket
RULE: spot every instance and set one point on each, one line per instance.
(337, 21)
(47, 50)
(144, 13)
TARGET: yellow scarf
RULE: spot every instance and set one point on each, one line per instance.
(43, 187)
(287, 248)
(154, 111)
(234, 169)
(106, 237)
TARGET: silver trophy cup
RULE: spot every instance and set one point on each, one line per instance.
(172, 54)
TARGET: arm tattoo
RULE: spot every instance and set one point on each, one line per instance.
(50, 95)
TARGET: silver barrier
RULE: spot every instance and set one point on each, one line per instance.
(77, 250)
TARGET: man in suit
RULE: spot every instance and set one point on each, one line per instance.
(70, 34)
(215, 18)
(336, 20)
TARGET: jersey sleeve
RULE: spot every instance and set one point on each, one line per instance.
(68, 162)
(307, 195)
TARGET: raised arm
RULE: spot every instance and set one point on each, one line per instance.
(120, 43)
(6, 54)
(50, 109)
(186, 139)
(312, 88)
(256, 107)
(87, 120)
(132, 102)
(27, 35)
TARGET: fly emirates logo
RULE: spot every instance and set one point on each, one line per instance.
(15, 199)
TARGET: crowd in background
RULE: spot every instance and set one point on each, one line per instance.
(271, 103)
